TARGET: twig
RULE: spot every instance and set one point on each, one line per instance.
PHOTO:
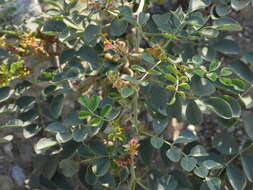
(143, 186)
(234, 157)
(152, 68)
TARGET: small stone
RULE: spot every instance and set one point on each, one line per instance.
(8, 149)
(6, 183)
(18, 175)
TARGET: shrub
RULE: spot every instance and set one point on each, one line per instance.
(128, 71)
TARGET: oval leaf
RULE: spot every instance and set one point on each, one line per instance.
(101, 167)
(248, 125)
(193, 113)
(242, 70)
(220, 107)
(188, 163)
(5, 93)
(236, 178)
(202, 86)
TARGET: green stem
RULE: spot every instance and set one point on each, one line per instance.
(93, 158)
(132, 178)
(234, 157)
(135, 110)
(143, 186)
(166, 142)
(151, 69)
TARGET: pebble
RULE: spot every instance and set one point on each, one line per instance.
(18, 175)
(8, 149)
(6, 183)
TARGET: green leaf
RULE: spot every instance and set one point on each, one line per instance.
(95, 122)
(247, 101)
(94, 103)
(8, 108)
(214, 183)
(228, 122)
(56, 106)
(106, 110)
(146, 150)
(236, 108)
(188, 163)
(214, 65)
(56, 127)
(63, 137)
(84, 100)
(196, 20)
(89, 54)
(239, 4)
(220, 107)
(118, 27)
(5, 93)
(247, 160)
(236, 178)
(138, 68)
(159, 125)
(185, 136)
(90, 103)
(248, 125)
(202, 86)
(209, 32)
(242, 70)
(3, 53)
(201, 171)
(44, 143)
(174, 154)
(101, 166)
(226, 81)
(170, 77)
(167, 182)
(69, 167)
(163, 22)
(227, 24)
(208, 53)
(84, 114)
(28, 116)
(173, 70)
(225, 71)
(239, 85)
(148, 58)
(220, 10)
(193, 113)
(156, 142)
(113, 114)
(128, 78)
(79, 134)
(52, 27)
(25, 101)
(198, 151)
(90, 177)
(31, 130)
(211, 164)
(185, 86)
(227, 46)
(198, 4)
(6, 139)
(247, 57)
(225, 144)
(91, 32)
(143, 18)
(15, 123)
(126, 92)
(212, 76)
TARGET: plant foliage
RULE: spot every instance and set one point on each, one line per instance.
(128, 72)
